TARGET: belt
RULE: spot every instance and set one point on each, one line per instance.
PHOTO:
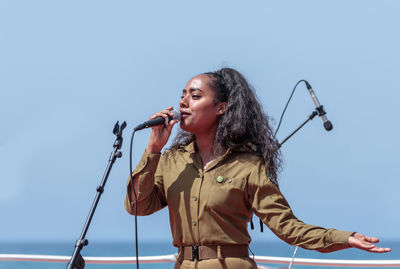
(205, 252)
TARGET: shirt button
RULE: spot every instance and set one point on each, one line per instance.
(194, 198)
(194, 223)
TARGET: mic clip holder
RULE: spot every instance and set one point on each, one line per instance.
(118, 132)
(77, 261)
(320, 110)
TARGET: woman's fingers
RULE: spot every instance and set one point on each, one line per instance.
(163, 113)
(171, 124)
(381, 250)
(365, 243)
(377, 249)
(372, 239)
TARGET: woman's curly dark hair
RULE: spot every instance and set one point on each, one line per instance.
(244, 126)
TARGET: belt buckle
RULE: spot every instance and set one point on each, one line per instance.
(195, 252)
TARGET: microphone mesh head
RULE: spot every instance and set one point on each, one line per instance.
(328, 125)
(177, 115)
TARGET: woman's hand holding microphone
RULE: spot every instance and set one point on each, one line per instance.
(161, 133)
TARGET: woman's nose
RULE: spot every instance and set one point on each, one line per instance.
(183, 102)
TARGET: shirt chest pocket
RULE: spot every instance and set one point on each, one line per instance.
(225, 191)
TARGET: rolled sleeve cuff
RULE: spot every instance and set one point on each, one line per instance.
(339, 240)
(341, 237)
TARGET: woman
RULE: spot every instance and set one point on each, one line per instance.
(221, 168)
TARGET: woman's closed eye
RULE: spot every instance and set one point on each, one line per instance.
(194, 96)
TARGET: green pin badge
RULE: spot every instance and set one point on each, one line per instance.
(220, 179)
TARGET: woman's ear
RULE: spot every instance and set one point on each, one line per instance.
(221, 108)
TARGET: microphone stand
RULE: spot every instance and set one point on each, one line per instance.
(77, 261)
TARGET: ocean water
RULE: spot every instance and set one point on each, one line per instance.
(280, 249)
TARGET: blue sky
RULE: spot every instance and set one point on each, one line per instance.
(70, 69)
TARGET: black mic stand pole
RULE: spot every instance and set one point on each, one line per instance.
(77, 261)
(312, 115)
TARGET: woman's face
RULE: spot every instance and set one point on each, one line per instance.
(198, 108)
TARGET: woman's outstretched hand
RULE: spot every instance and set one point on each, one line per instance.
(366, 243)
(160, 134)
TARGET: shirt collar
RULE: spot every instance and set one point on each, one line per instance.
(193, 156)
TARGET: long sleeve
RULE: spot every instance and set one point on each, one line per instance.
(150, 196)
(270, 205)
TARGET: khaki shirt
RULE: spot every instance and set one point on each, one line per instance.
(214, 206)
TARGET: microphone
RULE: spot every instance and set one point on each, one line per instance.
(158, 121)
(321, 112)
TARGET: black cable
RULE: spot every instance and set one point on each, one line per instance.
(135, 196)
(284, 110)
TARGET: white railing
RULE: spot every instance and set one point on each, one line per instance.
(172, 258)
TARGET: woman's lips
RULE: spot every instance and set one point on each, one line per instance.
(184, 114)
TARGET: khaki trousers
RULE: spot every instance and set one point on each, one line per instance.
(225, 263)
